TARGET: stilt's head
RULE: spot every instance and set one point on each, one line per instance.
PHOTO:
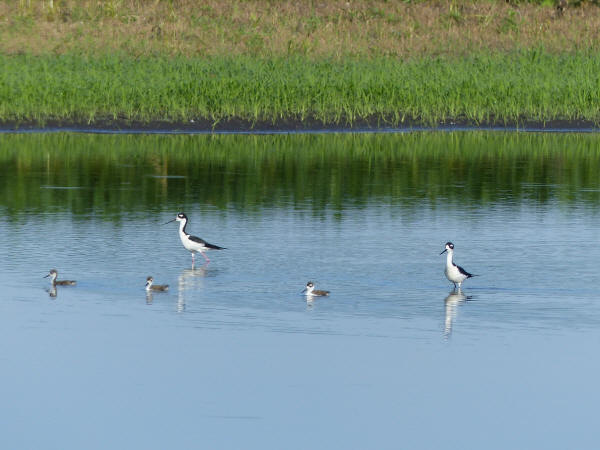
(52, 274)
(179, 217)
(449, 248)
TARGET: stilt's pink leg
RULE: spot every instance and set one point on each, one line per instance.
(205, 257)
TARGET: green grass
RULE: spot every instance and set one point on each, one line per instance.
(529, 85)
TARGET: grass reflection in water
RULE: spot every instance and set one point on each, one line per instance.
(112, 174)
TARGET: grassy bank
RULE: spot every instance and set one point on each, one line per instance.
(297, 63)
(500, 88)
(323, 29)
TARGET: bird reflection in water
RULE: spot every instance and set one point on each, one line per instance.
(189, 279)
(52, 292)
(452, 301)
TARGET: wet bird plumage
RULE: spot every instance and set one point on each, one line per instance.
(311, 291)
(53, 274)
(150, 286)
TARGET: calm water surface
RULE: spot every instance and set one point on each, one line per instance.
(234, 357)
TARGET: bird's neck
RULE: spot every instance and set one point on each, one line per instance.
(449, 258)
(182, 226)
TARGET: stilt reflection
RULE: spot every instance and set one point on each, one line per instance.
(452, 301)
(189, 279)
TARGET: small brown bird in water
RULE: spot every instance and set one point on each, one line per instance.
(53, 274)
(310, 290)
(158, 287)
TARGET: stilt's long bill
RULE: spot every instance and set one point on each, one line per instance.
(151, 287)
(454, 273)
(191, 243)
(312, 292)
(53, 274)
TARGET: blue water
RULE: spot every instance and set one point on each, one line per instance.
(233, 356)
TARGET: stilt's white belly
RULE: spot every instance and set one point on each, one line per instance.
(191, 245)
(454, 275)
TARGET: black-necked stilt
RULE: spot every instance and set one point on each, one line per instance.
(193, 243)
(53, 274)
(454, 273)
(155, 287)
(311, 292)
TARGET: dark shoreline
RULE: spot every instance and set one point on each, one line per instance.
(233, 126)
